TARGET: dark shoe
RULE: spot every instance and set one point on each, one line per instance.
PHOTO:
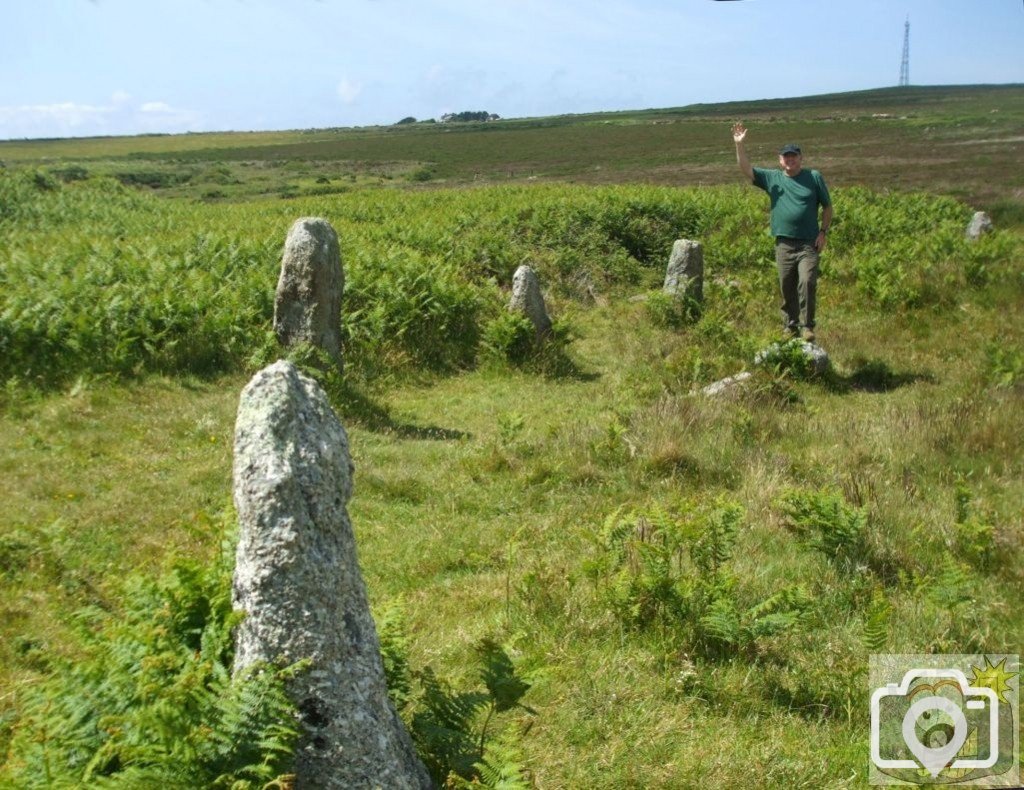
(790, 333)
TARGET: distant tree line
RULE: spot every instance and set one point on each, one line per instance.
(469, 115)
(454, 117)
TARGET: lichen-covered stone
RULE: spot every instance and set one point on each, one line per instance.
(297, 578)
(528, 300)
(818, 356)
(727, 385)
(684, 275)
(815, 355)
(307, 304)
(980, 224)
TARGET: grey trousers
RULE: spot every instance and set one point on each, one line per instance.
(797, 261)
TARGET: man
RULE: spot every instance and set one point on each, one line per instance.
(795, 196)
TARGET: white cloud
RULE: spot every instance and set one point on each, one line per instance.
(158, 116)
(349, 90)
(73, 119)
(62, 114)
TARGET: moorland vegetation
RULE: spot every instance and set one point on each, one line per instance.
(585, 573)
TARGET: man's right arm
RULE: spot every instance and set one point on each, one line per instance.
(739, 133)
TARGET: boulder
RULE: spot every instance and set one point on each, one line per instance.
(298, 581)
(684, 275)
(527, 299)
(815, 355)
(307, 304)
(981, 224)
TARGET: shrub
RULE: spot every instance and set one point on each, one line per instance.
(422, 174)
(70, 173)
(657, 568)
(401, 312)
(974, 535)
(827, 523)
(1005, 365)
(155, 179)
(453, 729)
(885, 277)
(152, 701)
(789, 358)
(672, 311)
(510, 337)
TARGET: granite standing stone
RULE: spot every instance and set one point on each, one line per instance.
(684, 275)
(297, 578)
(981, 224)
(527, 299)
(307, 305)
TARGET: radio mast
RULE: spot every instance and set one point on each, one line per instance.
(905, 63)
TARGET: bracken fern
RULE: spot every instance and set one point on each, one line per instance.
(152, 701)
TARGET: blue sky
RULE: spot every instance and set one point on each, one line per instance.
(111, 67)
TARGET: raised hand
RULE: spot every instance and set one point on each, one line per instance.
(739, 132)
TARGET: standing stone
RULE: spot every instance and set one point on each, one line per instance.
(684, 275)
(298, 580)
(527, 299)
(307, 305)
(981, 223)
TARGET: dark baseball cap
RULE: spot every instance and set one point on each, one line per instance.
(789, 148)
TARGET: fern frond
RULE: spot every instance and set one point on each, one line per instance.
(826, 521)
(151, 701)
(501, 767)
(876, 623)
(952, 586)
(394, 651)
(793, 598)
(720, 624)
(713, 546)
(499, 676)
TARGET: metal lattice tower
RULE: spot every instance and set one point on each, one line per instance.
(905, 63)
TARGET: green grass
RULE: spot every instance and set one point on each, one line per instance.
(890, 490)
(486, 535)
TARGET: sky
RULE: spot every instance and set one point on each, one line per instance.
(75, 68)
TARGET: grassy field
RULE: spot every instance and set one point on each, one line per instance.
(963, 141)
(690, 586)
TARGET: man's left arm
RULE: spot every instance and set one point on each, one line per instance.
(826, 223)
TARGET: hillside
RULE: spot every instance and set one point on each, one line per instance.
(959, 140)
(690, 586)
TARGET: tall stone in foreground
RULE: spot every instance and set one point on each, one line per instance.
(981, 224)
(298, 580)
(307, 305)
(527, 299)
(684, 275)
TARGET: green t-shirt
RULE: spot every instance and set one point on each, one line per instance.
(795, 201)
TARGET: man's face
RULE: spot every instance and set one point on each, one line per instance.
(791, 163)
